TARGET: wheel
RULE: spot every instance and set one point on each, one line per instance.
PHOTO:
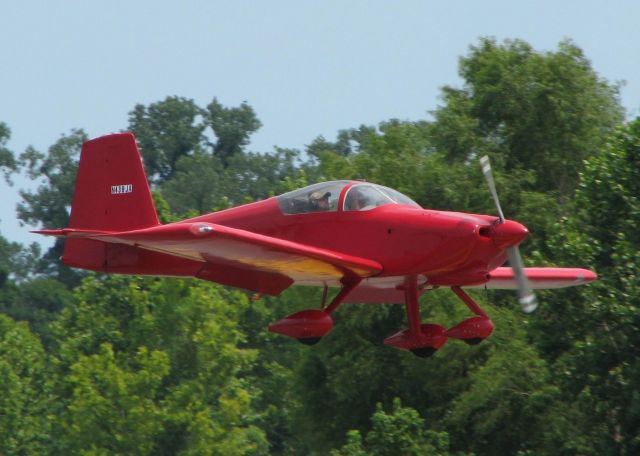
(474, 341)
(309, 340)
(423, 352)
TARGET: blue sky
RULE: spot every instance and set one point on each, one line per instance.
(308, 68)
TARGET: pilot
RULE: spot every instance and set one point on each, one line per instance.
(319, 201)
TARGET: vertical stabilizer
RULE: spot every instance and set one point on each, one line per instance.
(112, 193)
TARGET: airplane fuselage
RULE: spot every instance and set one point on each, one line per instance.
(444, 246)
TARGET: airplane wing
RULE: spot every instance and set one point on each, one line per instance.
(539, 278)
(236, 257)
(388, 290)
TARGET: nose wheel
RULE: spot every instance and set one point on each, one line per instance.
(423, 340)
(309, 340)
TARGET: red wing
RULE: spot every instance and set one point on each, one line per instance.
(220, 246)
(540, 278)
(386, 290)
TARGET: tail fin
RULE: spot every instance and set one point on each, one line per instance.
(112, 192)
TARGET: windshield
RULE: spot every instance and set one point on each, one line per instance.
(321, 197)
(363, 197)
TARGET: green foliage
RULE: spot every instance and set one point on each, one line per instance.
(601, 368)
(38, 302)
(158, 360)
(197, 184)
(537, 114)
(166, 131)
(537, 111)
(232, 128)
(8, 253)
(391, 156)
(26, 401)
(348, 142)
(175, 128)
(8, 163)
(113, 410)
(195, 175)
(202, 183)
(402, 431)
(48, 206)
(124, 365)
(499, 413)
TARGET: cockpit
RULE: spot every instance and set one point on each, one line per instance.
(325, 197)
(364, 197)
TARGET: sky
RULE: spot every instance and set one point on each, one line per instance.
(307, 68)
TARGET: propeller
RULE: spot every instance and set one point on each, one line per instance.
(525, 295)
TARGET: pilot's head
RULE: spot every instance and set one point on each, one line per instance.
(320, 201)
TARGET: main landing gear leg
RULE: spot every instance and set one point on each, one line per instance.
(472, 330)
(310, 325)
(420, 339)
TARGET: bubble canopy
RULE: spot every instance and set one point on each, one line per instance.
(325, 197)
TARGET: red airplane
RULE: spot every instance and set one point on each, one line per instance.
(374, 243)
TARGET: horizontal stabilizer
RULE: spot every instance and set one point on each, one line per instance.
(223, 246)
(69, 232)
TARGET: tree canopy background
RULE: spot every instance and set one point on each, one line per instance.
(98, 365)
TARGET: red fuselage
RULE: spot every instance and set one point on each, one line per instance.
(449, 248)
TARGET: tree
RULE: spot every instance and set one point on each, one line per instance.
(36, 301)
(600, 380)
(113, 409)
(170, 130)
(202, 184)
(391, 155)
(544, 112)
(8, 162)
(232, 128)
(8, 254)
(50, 204)
(26, 398)
(538, 115)
(348, 142)
(194, 174)
(167, 131)
(402, 431)
(157, 358)
(499, 412)
(197, 186)
(256, 176)
(177, 366)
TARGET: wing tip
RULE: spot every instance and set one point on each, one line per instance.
(590, 276)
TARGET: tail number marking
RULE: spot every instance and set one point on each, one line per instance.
(120, 189)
